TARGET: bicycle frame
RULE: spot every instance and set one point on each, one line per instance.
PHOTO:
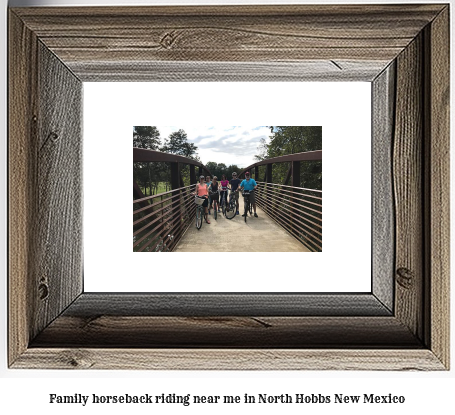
(232, 205)
(200, 215)
(246, 203)
(223, 202)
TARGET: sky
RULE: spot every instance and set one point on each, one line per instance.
(228, 145)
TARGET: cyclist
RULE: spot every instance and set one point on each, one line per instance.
(208, 182)
(224, 186)
(202, 191)
(234, 190)
(249, 184)
(213, 192)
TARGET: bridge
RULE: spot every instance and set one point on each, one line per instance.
(289, 215)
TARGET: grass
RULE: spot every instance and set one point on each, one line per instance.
(161, 189)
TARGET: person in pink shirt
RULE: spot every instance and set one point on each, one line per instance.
(223, 191)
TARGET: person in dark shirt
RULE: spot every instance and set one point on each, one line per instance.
(235, 190)
(214, 193)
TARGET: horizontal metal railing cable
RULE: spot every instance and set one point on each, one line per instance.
(172, 227)
(166, 220)
(297, 206)
(301, 236)
(186, 213)
(158, 237)
(289, 216)
(168, 223)
(160, 194)
(153, 204)
(291, 222)
(294, 203)
(186, 220)
(281, 206)
(293, 187)
(273, 185)
(293, 199)
(304, 194)
(288, 206)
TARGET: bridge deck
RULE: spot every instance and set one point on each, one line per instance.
(259, 234)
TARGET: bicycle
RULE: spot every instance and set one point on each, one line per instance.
(223, 201)
(232, 206)
(246, 203)
(199, 211)
(215, 214)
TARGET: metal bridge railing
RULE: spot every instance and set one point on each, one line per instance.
(159, 221)
(296, 209)
(158, 226)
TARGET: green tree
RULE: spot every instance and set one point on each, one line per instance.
(291, 140)
(177, 143)
(148, 175)
(146, 137)
(262, 149)
(213, 167)
(218, 169)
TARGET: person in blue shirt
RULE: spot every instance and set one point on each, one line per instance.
(249, 184)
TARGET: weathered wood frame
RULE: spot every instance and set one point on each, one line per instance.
(402, 324)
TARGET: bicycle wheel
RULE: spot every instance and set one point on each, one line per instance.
(246, 207)
(230, 213)
(198, 218)
(214, 212)
(223, 207)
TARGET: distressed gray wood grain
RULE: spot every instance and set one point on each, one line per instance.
(58, 208)
(383, 215)
(229, 359)
(308, 71)
(408, 188)
(22, 130)
(438, 170)
(228, 34)
(258, 332)
(231, 304)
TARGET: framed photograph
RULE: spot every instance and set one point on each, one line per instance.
(293, 202)
(401, 324)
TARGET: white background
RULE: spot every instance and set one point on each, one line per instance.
(27, 391)
(343, 110)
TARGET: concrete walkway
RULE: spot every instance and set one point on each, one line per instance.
(259, 234)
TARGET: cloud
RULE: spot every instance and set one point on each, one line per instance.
(202, 137)
(223, 144)
(226, 137)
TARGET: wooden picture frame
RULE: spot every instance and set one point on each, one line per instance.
(403, 324)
